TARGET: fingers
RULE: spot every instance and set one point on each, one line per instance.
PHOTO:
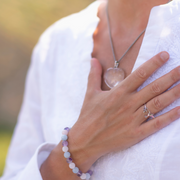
(159, 103)
(94, 79)
(154, 125)
(135, 79)
(158, 86)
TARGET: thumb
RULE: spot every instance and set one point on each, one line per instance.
(94, 80)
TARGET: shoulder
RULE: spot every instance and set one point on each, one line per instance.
(167, 12)
(73, 24)
(65, 36)
(64, 33)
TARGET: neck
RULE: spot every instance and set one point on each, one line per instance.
(126, 14)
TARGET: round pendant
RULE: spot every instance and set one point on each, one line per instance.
(113, 76)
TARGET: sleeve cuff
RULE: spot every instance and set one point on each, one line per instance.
(32, 170)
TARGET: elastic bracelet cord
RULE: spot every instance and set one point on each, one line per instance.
(69, 160)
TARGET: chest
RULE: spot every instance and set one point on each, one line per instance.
(103, 52)
(63, 90)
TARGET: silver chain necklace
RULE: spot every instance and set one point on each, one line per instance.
(113, 76)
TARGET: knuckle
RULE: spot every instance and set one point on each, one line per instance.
(176, 92)
(123, 109)
(157, 104)
(140, 133)
(119, 92)
(128, 105)
(110, 102)
(174, 76)
(158, 61)
(155, 88)
(157, 124)
(141, 73)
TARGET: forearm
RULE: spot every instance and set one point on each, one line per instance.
(56, 167)
(113, 120)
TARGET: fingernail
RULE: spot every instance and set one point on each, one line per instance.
(164, 56)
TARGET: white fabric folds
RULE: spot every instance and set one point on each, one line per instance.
(55, 89)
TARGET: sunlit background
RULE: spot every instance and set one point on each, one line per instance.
(21, 23)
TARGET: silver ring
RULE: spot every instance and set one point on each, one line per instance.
(147, 112)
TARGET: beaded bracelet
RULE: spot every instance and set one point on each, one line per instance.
(69, 160)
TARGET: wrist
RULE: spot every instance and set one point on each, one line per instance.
(81, 154)
(55, 167)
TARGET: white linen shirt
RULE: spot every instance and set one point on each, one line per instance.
(55, 88)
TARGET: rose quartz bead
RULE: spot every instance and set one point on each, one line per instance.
(72, 165)
(83, 176)
(65, 149)
(65, 132)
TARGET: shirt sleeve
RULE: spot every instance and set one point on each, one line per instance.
(28, 149)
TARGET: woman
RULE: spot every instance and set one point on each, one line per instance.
(108, 126)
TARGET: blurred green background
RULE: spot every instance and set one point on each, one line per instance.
(21, 23)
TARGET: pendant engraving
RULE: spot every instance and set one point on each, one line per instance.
(113, 76)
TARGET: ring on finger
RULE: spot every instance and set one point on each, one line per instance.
(147, 112)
